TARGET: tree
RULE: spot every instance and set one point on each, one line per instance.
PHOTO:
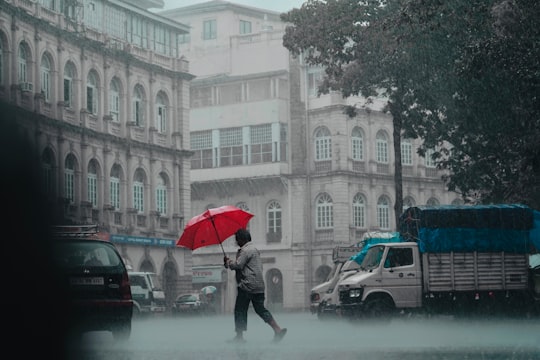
(463, 75)
(490, 122)
(362, 55)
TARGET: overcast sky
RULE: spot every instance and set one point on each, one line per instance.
(275, 5)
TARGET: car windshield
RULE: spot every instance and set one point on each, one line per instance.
(89, 253)
(187, 298)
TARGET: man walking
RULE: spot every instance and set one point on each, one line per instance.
(249, 278)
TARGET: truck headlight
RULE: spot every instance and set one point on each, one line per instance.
(355, 293)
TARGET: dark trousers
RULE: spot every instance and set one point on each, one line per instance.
(241, 307)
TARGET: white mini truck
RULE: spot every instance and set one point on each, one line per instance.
(462, 260)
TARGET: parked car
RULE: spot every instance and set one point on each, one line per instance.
(97, 281)
(192, 303)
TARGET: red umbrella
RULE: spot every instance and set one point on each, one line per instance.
(213, 226)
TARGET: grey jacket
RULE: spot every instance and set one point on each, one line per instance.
(249, 265)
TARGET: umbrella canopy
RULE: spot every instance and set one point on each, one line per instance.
(208, 290)
(213, 226)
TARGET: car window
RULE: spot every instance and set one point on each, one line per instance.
(86, 253)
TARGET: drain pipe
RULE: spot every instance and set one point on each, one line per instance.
(309, 222)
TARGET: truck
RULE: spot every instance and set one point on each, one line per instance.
(148, 296)
(329, 301)
(340, 255)
(454, 260)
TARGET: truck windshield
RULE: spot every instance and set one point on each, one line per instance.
(373, 258)
(350, 265)
(155, 282)
(334, 271)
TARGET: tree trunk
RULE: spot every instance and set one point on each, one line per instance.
(396, 106)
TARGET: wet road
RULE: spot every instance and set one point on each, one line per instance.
(205, 338)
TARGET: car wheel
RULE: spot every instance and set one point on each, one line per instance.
(136, 312)
(122, 332)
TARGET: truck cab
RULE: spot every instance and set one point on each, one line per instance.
(330, 299)
(148, 297)
(390, 277)
(318, 291)
(340, 255)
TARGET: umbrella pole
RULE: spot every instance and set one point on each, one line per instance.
(217, 236)
(222, 249)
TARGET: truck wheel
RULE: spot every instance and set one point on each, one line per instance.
(322, 315)
(379, 308)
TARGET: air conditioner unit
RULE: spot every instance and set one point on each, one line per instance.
(27, 86)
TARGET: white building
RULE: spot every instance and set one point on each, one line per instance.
(264, 141)
(102, 88)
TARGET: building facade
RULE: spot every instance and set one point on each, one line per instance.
(102, 90)
(265, 141)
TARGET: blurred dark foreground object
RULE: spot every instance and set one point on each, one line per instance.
(37, 300)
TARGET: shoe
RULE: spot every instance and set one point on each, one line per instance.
(237, 340)
(279, 335)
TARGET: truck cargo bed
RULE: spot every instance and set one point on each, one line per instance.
(474, 271)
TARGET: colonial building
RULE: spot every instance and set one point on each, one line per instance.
(103, 90)
(265, 141)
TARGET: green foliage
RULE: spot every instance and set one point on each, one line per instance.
(462, 75)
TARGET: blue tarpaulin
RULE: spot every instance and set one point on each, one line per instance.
(370, 241)
(463, 228)
(467, 239)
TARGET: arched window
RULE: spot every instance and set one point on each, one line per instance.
(161, 113)
(357, 144)
(359, 211)
(92, 94)
(408, 202)
(433, 202)
(115, 187)
(430, 162)
(324, 208)
(323, 144)
(138, 108)
(273, 219)
(114, 100)
(69, 77)
(383, 213)
(242, 205)
(23, 57)
(138, 191)
(46, 81)
(69, 178)
(381, 148)
(92, 180)
(406, 152)
(47, 163)
(161, 194)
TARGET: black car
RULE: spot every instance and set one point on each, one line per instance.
(190, 304)
(98, 284)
